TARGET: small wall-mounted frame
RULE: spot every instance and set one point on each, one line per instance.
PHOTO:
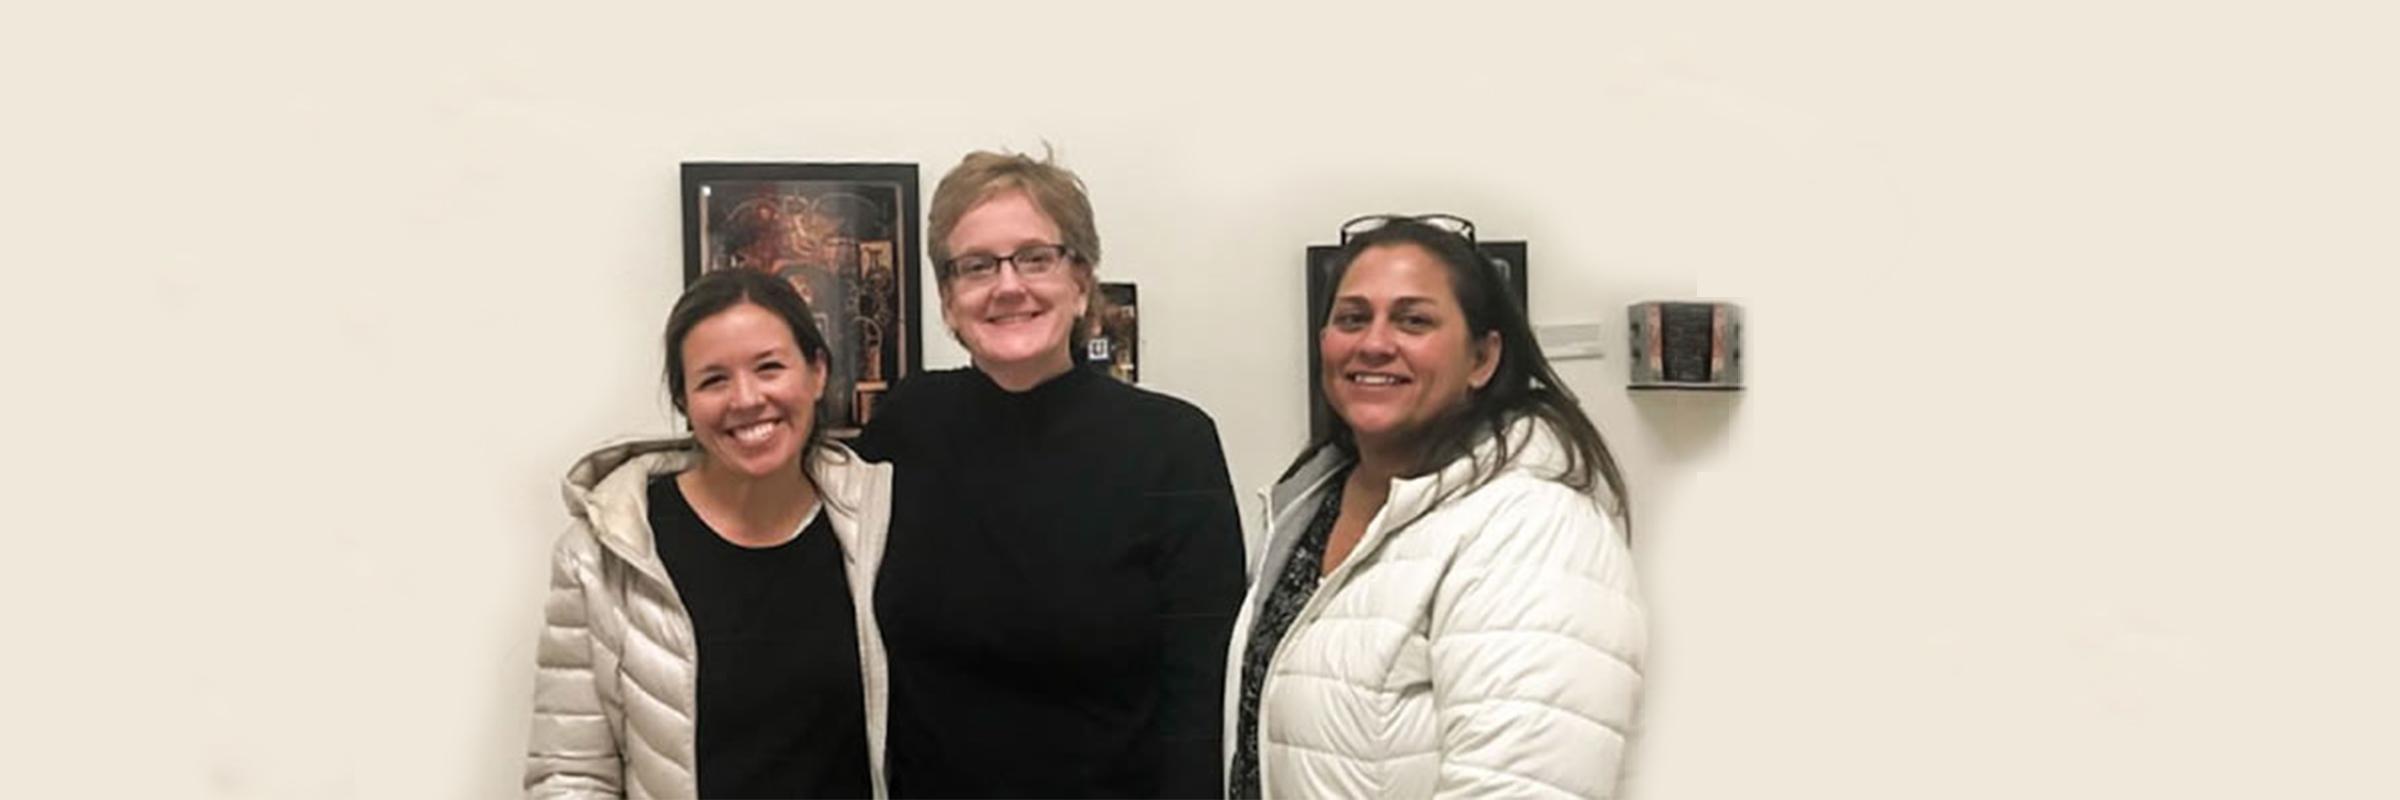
(1112, 338)
(1685, 345)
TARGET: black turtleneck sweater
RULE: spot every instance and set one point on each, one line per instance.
(1063, 570)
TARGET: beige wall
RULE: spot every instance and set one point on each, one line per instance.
(2064, 473)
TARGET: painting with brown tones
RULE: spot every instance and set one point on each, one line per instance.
(845, 236)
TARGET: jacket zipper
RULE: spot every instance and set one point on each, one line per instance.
(1316, 601)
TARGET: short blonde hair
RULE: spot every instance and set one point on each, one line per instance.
(983, 174)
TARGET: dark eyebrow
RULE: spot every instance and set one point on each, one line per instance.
(1411, 301)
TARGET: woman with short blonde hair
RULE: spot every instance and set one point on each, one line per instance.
(1065, 556)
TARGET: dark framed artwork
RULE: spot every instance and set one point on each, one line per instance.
(846, 236)
(1112, 339)
(1508, 256)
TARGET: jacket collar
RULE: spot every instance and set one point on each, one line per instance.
(1535, 447)
(1536, 450)
(1303, 481)
(609, 491)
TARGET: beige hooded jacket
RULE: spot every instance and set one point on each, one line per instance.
(614, 698)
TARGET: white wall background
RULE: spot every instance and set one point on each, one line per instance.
(2064, 473)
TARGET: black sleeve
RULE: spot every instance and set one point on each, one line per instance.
(1200, 576)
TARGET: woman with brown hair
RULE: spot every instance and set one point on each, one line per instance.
(1446, 606)
(1065, 556)
(709, 629)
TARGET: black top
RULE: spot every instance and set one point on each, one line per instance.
(1063, 571)
(781, 712)
(1302, 571)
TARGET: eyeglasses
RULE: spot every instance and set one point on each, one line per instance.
(1032, 262)
(1447, 223)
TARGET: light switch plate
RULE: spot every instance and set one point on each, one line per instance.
(1565, 341)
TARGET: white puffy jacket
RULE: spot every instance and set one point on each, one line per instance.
(1489, 648)
(615, 696)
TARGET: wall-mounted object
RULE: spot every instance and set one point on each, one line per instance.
(845, 235)
(1567, 341)
(1112, 338)
(1685, 345)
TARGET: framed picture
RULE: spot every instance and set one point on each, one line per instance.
(846, 236)
(1112, 338)
(1509, 257)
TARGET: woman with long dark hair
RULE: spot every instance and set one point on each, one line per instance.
(1446, 604)
(709, 630)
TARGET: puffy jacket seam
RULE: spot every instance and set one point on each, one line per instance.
(549, 784)
(634, 623)
(642, 748)
(564, 754)
(636, 683)
(1546, 568)
(574, 758)
(558, 666)
(654, 754)
(1512, 775)
(1351, 756)
(1428, 554)
(1518, 701)
(1321, 618)
(1619, 658)
(1343, 681)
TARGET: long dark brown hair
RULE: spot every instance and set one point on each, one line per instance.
(1523, 385)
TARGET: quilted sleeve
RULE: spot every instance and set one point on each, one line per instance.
(574, 751)
(1536, 644)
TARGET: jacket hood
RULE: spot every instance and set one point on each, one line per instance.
(609, 588)
(608, 489)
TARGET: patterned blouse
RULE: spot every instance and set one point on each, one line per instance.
(1298, 581)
